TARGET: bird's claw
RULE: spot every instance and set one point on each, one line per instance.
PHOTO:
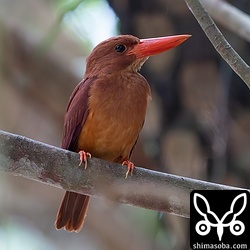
(130, 166)
(83, 158)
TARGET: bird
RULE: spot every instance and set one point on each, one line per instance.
(107, 109)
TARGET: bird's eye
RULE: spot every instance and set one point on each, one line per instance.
(120, 48)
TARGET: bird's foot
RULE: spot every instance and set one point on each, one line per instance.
(83, 158)
(130, 166)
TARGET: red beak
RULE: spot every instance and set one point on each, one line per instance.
(153, 46)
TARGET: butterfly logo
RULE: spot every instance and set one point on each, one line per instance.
(210, 219)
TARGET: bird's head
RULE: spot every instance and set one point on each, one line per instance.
(128, 52)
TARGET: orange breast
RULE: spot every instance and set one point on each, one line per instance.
(117, 109)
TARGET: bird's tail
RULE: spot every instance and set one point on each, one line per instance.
(72, 212)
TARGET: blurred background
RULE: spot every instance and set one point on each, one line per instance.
(198, 123)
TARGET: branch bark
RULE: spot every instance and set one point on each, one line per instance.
(219, 42)
(57, 167)
(229, 16)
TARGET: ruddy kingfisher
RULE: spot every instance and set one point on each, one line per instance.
(107, 109)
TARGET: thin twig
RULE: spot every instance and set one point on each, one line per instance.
(229, 16)
(219, 42)
(57, 167)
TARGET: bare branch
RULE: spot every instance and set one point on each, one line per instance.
(57, 167)
(229, 16)
(219, 42)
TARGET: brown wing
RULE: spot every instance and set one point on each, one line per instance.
(76, 114)
(72, 211)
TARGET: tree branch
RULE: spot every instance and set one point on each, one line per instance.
(219, 42)
(57, 167)
(229, 16)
